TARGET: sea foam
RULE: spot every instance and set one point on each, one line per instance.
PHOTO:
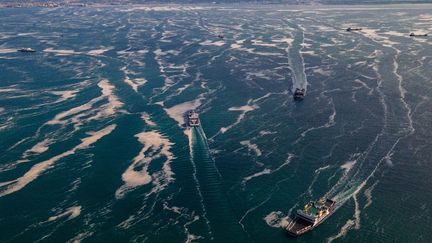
(38, 169)
(155, 146)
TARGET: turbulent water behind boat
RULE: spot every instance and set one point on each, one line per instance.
(93, 146)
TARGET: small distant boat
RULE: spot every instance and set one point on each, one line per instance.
(26, 50)
(221, 36)
(193, 119)
(299, 94)
(421, 35)
(313, 214)
(353, 29)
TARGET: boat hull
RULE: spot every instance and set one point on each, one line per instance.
(300, 226)
(193, 119)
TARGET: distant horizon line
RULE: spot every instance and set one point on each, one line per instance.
(53, 4)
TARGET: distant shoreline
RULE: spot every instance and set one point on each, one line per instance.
(189, 4)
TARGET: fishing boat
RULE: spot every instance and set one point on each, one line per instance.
(193, 119)
(353, 29)
(26, 50)
(299, 94)
(312, 214)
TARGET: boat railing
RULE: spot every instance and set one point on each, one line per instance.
(303, 230)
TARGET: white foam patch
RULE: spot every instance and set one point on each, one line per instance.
(261, 43)
(276, 219)
(7, 90)
(177, 112)
(104, 110)
(59, 52)
(174, 209)
(192, 238)
(70, 213)
(128, 53)
(331, 122)
(58, 119)
(238, 44)
(348, 165)
(254, 75)
(425, 17)
(65, 95)
(7, 51)
(181, 89)
(243, 110)
(235, 46)
(368, 194)
(286, 40)
(168, 81)
(27, 34)
(317, 173)
(394, 33)
(135, 83)
(7, 124)
(322, 71)
(357, 211)
(322, 168)
(39, 147)
(189, 236)
(312, 53)
(263, 172)
(379, 37)
(212, 43)
(268, 171)
(155, 146)
(347, 226)
(147, 119)
(253, 51)
(4, 126)
(323, 28)
(114, 102)
(99, 51)
(266, 132)
(251, 147)
(38, 169)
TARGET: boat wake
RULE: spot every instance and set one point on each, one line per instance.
(364, 166)
(216, 208)
(190, 135)
(295, 59)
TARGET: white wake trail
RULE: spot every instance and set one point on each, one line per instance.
(297, 67)
(197, 184)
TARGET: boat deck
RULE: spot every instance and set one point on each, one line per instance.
(299, 226)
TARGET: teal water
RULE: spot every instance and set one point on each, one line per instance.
(94, 148)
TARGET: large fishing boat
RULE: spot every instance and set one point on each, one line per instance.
(313, 214)
(416, 35)
(353, 29)
(193, 119)
(26, 50)
(299, 94)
